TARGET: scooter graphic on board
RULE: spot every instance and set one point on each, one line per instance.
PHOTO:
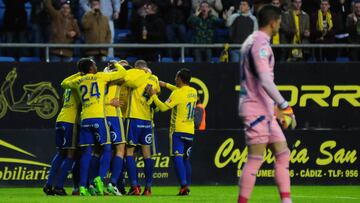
(40, 97)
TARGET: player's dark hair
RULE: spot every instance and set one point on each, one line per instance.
(140, 64)
(84, 64)
(267, 14)
(184, 75)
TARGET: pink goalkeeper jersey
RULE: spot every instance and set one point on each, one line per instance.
(256, 57)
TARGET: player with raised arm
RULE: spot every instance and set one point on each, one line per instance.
(66, 138)
(114, 120)
(91, 89)
(123, 99)
(256, 107)
(182, 101)
(139, 126)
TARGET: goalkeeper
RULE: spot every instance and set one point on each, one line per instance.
(256, 107)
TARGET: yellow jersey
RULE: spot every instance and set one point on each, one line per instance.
(133, 79)
(91, 90)
(70, 111)
(182, 101)
(138, 103)
(123, 97)
(112, 91)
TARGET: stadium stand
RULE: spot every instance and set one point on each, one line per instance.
(29, 59)
(7, 59)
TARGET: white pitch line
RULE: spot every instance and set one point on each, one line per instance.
(326, 197)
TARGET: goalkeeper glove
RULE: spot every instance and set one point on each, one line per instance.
(286, 116)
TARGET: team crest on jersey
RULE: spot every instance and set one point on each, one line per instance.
(113, 136)
(263, 53)
(148, 138)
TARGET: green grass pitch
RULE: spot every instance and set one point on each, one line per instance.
(203, 194)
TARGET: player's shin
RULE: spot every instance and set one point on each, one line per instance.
(55, 165)
(121, 180)
(188, 170)
(131, 169)
(282, 176)
(105, 161)
(65, 169)
(116, 169)
(180, 169)
(248, 177)
(149, 168)
(76, 177)
(84, 164)
(94, 168)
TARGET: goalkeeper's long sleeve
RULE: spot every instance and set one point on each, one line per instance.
(270, 87)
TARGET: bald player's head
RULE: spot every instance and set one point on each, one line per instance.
(140, 64)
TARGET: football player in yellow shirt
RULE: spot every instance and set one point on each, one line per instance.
(115, 122)
(91, 90)
(182, 101)
(139, 128)
(122, 103)
(66, 137)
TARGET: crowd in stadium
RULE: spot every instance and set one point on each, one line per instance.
(175, 21)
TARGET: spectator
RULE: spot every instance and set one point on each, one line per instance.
(295, 29)
(204, 24)
(276, 3)
(341, 8)
(242, 24)
(93, 22)
(148, 27)
(276, 38)
(323, 30)
(175, 17)
(215, 6)
(353, 27)
(200, 115)
(64, 29)
(122, 21)
(15, 26)
(74, 6)
(110, 9)
(40, 24)
(286, 5)
(282, 6)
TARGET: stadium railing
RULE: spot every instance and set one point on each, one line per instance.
(181, 47)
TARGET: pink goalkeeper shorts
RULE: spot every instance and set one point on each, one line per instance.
(262, 130)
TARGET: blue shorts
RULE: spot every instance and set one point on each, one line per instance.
(116, 127)
(66, 135)
(139, 132)
(181, 144)
(93, 131)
